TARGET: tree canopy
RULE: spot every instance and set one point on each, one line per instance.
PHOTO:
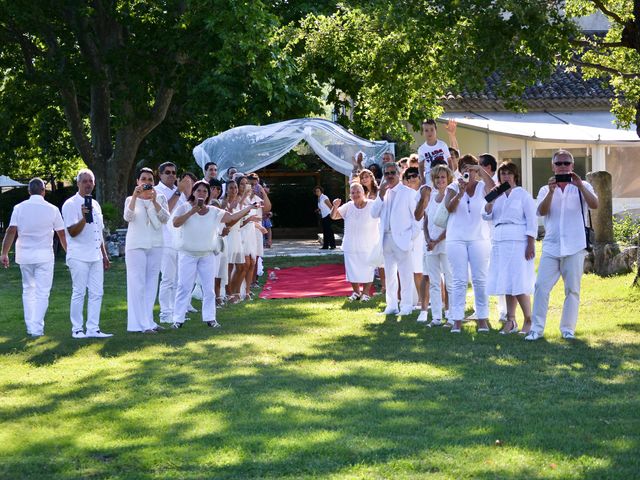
(126, 82)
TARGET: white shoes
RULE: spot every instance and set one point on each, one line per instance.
(354, 296)
(78, 334)
(365, 298)
(192, 309)
(98, 334)
(568, 335)
(390, 311)
(473, 316)
(423, 317)
(409, 311)
(532, 336)
(435, 323)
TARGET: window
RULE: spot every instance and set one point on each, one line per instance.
(624, 167)
(542, 165)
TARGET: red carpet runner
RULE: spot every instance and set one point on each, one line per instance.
(304, 282)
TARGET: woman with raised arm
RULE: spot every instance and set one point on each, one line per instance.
(361, 234)
(145, 211)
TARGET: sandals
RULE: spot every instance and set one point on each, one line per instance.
(506, 330)
(365, 298)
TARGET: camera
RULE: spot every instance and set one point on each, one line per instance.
(146, 186)
(563, 177)
(465, 177)
(200, 202)
(88, 204)
(495, 193)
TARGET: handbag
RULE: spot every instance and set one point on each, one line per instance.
(441, 216)
(588, 230)
(219, 245)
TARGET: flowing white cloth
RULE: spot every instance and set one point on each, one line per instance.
(251, 147)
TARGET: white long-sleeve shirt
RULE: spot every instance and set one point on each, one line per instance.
(514, 216)
(145, 223)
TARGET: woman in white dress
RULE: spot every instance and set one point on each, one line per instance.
(436, 263)
(468, 243)
(145, 211)
(361, 234)
(368, 181)
(511, 269)
(198, 223)
(221, 276)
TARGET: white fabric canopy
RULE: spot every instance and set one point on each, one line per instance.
(5, 181)
(583, 127)
(250, 148)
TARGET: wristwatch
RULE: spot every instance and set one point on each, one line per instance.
(177, 193)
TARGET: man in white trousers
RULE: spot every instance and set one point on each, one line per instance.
(86, 256)
(395, 207)
(176, 195)
(34, 222)
(563, 205)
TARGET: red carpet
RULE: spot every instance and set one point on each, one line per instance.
(304, 282)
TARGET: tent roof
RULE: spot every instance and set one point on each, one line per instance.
(577, 127)
(5, 181)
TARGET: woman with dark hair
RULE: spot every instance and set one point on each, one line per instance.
(376, 170)
(198, 223)
(468, 241)
(145, 211)
(236, 255)
(515, 226)
(411, 178)
(369, 184)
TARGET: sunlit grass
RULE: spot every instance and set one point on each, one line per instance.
(319, 388)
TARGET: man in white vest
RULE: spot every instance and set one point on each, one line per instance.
(34, 222)
(395, 206)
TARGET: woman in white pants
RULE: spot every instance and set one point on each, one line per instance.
(436, 263)
(198, 223)
(145, 211)
(515, 226)
(468, 241)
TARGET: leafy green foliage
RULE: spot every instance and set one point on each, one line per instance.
(626, 229)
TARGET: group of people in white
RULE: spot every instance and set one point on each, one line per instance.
(183, 232)
(432, 222)
(427, 229)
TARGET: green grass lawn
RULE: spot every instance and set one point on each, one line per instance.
(319, 388)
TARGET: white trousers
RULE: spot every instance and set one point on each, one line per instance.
(205, 268)
(398, 263)
(550, 269)
(37, 279)
(143, 268)
(437, 267)
(168, 283)
(462, 255)
(86, 276)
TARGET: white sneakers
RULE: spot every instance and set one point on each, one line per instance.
(532, 336)
(423, 317)
(94, 334)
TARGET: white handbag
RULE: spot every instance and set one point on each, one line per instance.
(441, 216)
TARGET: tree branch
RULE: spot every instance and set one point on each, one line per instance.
(159, 110)
(604, 68)
(74, 120)
(595, 44)
(607, 12)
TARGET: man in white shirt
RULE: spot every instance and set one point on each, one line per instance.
(34, 221)
(432, 149)
(86, 256)
(176, 196)
(395, 206)
(562, 203)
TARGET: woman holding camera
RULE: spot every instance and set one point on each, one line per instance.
(145, 211)
(198, 224)
(468, 241)
(515, 226)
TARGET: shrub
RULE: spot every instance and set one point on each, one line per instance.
(626, 228)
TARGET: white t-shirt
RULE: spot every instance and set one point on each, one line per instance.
(324, 209)
(86, 245)
(429, 153)
(36, 220)
(197, 234)
(466, 223)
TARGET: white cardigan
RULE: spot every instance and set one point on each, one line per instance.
(145, 223)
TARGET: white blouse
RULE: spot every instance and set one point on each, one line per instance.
(465, 223)
(197, 234)
(514, 216)
(145, 223)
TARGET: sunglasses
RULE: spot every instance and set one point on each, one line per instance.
(390, 174)
(168, 173)
(411, 176)
(562, 164)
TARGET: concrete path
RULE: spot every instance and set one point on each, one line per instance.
(298, 248)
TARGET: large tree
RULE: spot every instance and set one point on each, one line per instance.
(118, 67)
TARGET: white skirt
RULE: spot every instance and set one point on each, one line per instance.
(357, 268)
(235, 250)
(259, 243)
(249, 240)
(509, 272)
